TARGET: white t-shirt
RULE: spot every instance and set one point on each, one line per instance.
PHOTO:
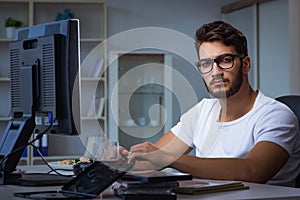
(268, 120)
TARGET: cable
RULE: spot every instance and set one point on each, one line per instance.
(38, 136)
(23, 146)
(45, 161)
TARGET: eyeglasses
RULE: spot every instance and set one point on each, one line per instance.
(224, 61)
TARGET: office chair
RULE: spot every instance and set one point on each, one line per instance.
(293, 102)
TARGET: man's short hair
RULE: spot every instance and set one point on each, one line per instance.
(224, 32)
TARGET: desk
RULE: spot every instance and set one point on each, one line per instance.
(256, 191)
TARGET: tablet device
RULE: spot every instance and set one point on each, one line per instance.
(86, 185)
(156, 176)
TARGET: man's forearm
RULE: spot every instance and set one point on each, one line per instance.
(219, 168)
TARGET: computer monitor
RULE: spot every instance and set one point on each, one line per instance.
(45, 87)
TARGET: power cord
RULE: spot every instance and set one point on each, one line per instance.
(39, 136)
(46, 162)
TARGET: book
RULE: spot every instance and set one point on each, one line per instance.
(24, 154)
(198, 186)
(100, 109)
(96, 107)
(91, 111)
(42, 145)
(97, 69)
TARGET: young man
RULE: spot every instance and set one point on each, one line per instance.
(240, 134)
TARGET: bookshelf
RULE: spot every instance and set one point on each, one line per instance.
(92, 16)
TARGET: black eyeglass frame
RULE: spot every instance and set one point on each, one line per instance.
(217, 60)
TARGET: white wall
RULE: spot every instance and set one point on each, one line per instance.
(181, 15)
(184, 16)
(276, 42)
(274, 49)
(294, 42)
(245, 20)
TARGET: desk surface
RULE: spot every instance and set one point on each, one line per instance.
(256, 191)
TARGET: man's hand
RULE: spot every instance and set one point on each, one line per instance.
(158, 157)
(123, 152)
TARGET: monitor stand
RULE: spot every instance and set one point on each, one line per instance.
(9, 178)
(15, 138)
(19, 129)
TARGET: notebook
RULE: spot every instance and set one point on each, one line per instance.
(208, 186)
(88, 184)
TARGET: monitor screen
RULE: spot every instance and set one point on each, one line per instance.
(45, 86)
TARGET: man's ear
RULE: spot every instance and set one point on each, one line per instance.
(246, 65)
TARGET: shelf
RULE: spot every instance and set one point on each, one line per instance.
(3, 79)
(93, 79)
(93, 26)
(5, 40)
(92, 40)
(142, 93)
(93, 118)
(5, 118)
(136, 126)
(92, 19)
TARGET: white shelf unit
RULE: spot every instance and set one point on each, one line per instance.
(92, 17)
(137, 81)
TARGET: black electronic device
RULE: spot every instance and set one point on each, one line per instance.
(147, 194)
(132, 190)
(45, 88)
(156, 176)
(87, 185)
(147, 185)
(42, 179)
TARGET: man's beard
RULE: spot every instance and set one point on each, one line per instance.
(232, 90)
